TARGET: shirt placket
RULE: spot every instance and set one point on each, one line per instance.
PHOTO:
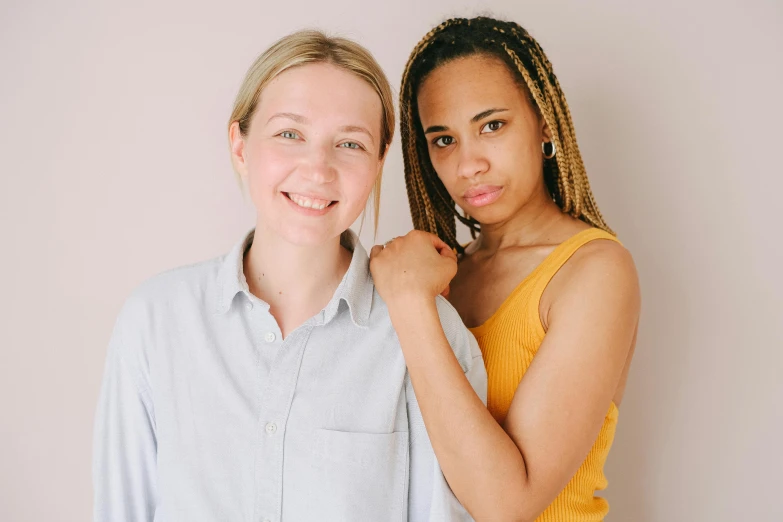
(275, 405)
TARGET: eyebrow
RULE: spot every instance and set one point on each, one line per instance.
(358, 128)
(291, 116)
(478, 117)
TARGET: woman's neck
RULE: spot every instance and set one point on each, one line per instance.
(529, 226)
(296, 281)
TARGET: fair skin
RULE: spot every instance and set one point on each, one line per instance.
(309, 161)
(484, 139)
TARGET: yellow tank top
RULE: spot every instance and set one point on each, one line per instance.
(509, 340)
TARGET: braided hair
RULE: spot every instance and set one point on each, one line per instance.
(432, 208)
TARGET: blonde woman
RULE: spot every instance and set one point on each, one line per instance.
(550, 294)
(268, 384)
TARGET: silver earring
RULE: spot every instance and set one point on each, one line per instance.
(552, 153)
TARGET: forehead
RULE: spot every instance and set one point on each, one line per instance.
(324, 90)
(468, 85)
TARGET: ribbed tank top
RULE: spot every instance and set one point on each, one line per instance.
(509, 340)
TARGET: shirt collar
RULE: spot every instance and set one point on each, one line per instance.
(231, 275)
(356, 287)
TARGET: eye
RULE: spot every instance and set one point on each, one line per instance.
(443, 141)
(492, 126)
(289, 135)
(351, 145)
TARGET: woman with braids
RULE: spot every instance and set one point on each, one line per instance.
(549, 293)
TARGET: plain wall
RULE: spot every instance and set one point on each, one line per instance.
(114, 166)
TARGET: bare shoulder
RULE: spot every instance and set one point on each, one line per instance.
(605, 260)
(601, 273)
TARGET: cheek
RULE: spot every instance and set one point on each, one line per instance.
(446, 168)
(528, 161)
(357, 179)
(268, 166)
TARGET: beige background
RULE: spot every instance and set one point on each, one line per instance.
(114, 166)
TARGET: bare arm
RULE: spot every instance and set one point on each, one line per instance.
(515, 471)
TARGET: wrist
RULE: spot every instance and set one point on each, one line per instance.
(411, 306)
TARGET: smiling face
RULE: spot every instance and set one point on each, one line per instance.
(484, 137)
(312, 152)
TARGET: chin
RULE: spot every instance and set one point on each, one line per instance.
(490, 216)
(309, 236)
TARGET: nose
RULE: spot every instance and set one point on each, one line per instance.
(472, 160)
(317, 165)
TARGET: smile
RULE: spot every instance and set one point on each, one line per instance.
(307, 202)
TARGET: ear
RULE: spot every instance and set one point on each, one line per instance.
(237, 142)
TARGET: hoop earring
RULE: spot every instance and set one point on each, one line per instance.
(551, 154)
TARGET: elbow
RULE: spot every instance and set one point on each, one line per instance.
(520, 515)
(508, 516)
(507, 512)
(511, 506)
(524, 516)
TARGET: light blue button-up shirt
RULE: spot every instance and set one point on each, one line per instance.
(207, 414)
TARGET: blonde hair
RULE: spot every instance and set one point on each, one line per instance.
(307, 47)
(432, 209)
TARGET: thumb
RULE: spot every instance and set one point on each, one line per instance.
(443, 249)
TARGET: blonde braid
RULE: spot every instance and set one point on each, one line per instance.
(584, 204)
(426, 214)
(572, 181)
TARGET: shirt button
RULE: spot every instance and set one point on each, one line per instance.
(270, 337)
(271, 428)
(249, 306)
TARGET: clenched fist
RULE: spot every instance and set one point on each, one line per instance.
(417, 265)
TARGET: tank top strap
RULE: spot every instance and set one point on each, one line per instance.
(543, 274)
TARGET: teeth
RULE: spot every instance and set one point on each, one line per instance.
(304, 202)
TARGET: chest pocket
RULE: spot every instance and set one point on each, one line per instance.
(360, 476)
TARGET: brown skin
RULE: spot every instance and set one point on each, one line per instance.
(590, 309)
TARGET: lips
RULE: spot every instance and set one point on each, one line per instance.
(482, 195)
(308, 201)
(309, 204)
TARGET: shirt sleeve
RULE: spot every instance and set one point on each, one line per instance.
(124, 445)
(430, 498)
